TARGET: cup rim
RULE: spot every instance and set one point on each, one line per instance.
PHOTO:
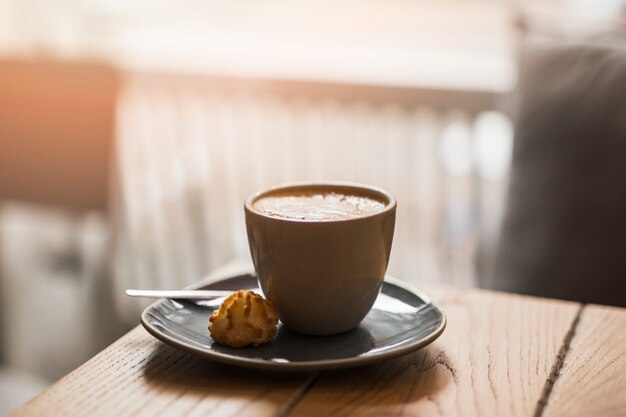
(390, 206)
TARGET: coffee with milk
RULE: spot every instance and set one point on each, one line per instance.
(317, 205)
(320, 251)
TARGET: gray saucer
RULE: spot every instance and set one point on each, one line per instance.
(402, 320)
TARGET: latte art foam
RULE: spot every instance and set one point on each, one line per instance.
(317, 206)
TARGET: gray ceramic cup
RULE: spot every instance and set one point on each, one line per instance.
(322, 276)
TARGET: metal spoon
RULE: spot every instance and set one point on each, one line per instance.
(179, 294)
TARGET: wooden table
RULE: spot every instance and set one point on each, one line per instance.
(501, 355)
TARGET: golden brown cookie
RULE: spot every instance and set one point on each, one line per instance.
(244, 318)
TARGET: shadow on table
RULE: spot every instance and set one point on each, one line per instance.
(415, 377)
(185, 380)
(383, 388)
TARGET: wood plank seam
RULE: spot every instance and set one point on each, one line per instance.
(299, 395)
(559, 361)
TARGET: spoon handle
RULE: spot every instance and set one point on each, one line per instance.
(178, 294)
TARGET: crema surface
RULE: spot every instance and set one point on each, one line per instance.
(317, 206)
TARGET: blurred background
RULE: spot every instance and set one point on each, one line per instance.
(132, 131)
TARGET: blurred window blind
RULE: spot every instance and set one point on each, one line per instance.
(191, 149)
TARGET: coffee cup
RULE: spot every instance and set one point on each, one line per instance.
(320, 251)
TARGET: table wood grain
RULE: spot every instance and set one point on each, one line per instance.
(493, 359)
(591, 378)
(501, 354)
(140, 376)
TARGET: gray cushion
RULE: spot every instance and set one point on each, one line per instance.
(564, 234)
